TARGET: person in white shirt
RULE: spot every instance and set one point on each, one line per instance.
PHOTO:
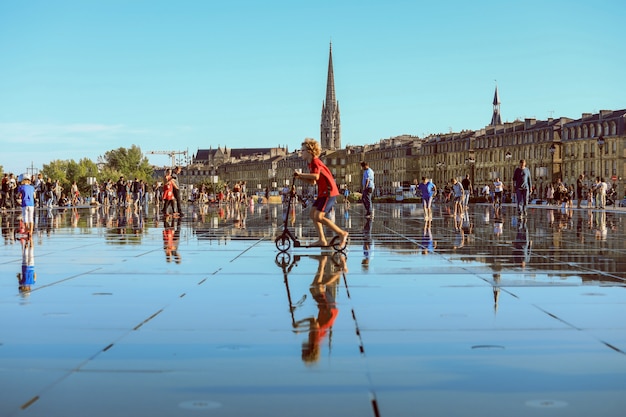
(498, 188)
(601, 189)
(486, 192)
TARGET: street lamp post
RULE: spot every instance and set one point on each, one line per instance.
(439, 170)
(271, 175)
(600, 146)
(552, 151)
(507, 157)
(471, 161)
(441, 166)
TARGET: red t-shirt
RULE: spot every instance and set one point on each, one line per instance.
(326, 186)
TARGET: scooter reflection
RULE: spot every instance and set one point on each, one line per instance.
(323, 289)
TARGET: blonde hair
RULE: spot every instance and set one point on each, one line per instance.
(312, 146)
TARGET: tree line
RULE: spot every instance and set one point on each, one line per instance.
(129, 162)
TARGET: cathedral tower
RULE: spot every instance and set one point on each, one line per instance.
(330, 127)
(496, 119)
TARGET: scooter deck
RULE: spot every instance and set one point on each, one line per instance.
(332, 243)
(284, 243)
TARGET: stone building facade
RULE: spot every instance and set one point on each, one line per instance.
(563, 148)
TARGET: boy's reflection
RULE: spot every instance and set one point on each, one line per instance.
(428, 243)
(521, 245)
(324, 291)
(171, 238)
(27, 277)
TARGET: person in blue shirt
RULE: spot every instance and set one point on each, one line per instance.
(367, 185)
(27, 193)
(523, 185)
(428, 191)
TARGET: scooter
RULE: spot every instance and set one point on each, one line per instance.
(287, 238)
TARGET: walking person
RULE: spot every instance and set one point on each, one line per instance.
(179, 205)
(48, 188)
(486, 193)
(368, 188)
(5, 189)
(74, 194)
(458, 192)
(327, 192)
(428, 191)
(550, 194)
(498, 189)
(601, 189)
(120, 187)
(523, 185)
(135, 192)
(39, 190)
(467, 187)
(8, 190)
(579, 189)
(168, 194)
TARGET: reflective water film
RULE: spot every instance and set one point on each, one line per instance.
(117, 311)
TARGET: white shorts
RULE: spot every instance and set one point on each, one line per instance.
(28, 214)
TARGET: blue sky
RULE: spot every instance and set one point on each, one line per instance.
(79, 78)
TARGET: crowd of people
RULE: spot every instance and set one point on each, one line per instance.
(50, 193)
(597, 193)
(47, 192)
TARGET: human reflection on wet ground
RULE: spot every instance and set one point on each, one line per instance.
(475, 314)
(323, 289)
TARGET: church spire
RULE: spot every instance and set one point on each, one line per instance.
(495, 118)
(330, 126)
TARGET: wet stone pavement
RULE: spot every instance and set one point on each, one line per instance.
(475, 315)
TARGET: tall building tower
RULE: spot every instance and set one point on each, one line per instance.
(330, 127)
(496, 119)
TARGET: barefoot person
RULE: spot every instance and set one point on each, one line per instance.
(327, 192)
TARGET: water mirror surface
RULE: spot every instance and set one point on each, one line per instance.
(481, 313)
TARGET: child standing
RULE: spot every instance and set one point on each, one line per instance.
(27, 193)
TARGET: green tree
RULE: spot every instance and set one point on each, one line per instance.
(68, 171)
(57, 170)
(128, 162)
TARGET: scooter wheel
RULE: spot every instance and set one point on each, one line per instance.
(336, 244)
(283, 243)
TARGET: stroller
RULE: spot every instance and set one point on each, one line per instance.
(287, 238)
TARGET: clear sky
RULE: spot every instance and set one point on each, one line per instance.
(81, 77)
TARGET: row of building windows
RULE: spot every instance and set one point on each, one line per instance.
(560, 148)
